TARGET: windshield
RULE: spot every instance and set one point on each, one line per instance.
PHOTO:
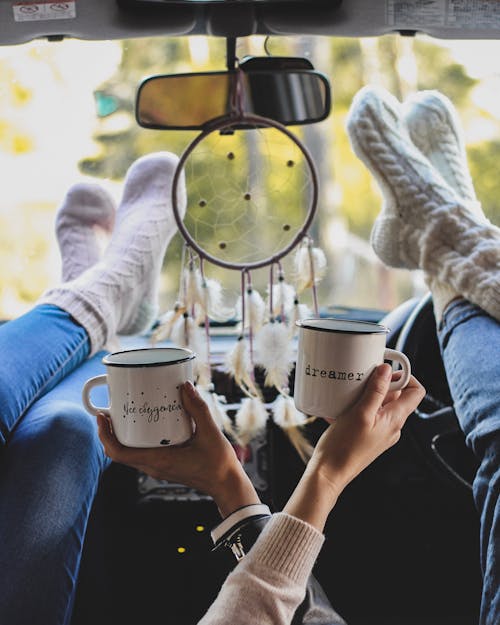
(68, 111)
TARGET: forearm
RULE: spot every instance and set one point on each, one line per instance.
(273, 576)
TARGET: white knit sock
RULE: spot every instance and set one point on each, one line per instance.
(434, 127)
(119, 294)
(423, 223)
(86, 208)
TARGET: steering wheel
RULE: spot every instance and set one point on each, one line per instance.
(433, 427)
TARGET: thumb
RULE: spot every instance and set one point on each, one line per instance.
(196, 408)
(375, 391)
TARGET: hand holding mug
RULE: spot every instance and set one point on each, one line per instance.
(366, 429)
(206, 462)
(359, 435)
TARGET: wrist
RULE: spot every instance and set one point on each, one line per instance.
(233, 492)
(313, 498)
(331, 481)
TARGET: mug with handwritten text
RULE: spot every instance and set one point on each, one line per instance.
(145, 405)
(335, 358)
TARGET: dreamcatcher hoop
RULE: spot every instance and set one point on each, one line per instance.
(225, 123)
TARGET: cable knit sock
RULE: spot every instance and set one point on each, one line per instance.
(86, 208)
(434, 127)
(423, 223)
(119, 294)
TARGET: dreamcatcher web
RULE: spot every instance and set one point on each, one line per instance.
(249, 194)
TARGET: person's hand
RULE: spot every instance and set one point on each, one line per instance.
(366, 430)
(206, 462)
(352, 442)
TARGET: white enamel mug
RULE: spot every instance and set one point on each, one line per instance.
(145, 404)
(335, 358)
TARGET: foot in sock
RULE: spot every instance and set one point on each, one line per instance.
(423, 223)
(411, 188)
(86, 209)
(119, 293)
(434, 127)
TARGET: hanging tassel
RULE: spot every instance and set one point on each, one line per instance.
(255, 309)
(290, 420)
(216, 405)
(310, 266)
(193, 286)
(274, 352)
(283, 295)
(250, 420)
(166, 323)
(299, 312)
(204, 295)
(211, 303)
(239, 366)
(186, 333)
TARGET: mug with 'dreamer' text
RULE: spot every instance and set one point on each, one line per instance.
(335, 358)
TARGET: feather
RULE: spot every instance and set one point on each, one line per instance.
(250, 419)
(166, 323)
(255, 309)
(217, 409)
(185, 333)
(193, 286)
(211, 301)
(239, 366)
(204, 296)
(274, 352)
(283, 297)
(299, 312)
(290, 420)
(307, 274)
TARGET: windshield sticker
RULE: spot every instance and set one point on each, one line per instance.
(448, 13)
(37, 11)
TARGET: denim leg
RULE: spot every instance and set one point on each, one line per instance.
(49, 472)
(37, 350)
(470, 343)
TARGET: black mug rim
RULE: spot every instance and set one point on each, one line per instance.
(378, 328)
(189, 356)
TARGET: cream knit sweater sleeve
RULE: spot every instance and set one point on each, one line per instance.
(269, 583)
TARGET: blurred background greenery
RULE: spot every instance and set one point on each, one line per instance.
(67, 112)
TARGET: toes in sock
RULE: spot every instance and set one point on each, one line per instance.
(411, 188)
(86, 208)
(434, 127)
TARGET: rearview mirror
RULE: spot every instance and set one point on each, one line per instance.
(189, 101)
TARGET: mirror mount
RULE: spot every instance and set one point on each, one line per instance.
(231, 58)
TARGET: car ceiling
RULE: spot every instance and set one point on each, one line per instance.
(24, 21)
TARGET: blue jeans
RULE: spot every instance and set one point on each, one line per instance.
(470, 344)
(50, 463)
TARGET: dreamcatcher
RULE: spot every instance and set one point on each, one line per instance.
(252, 193)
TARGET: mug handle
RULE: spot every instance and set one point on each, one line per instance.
(392, 354)
(99, 380)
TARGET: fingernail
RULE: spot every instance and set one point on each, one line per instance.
(191, 391)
